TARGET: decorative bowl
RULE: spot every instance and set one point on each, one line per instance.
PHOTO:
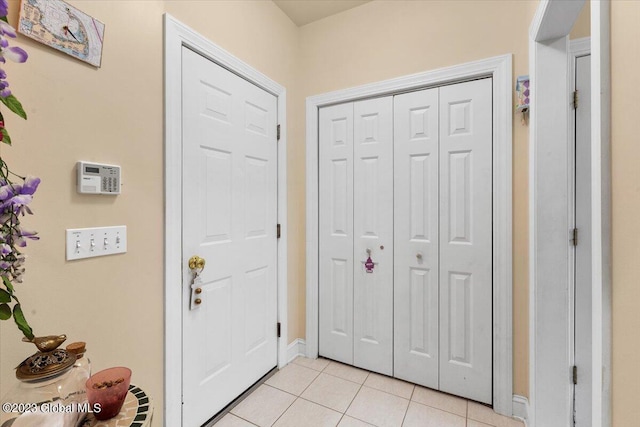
(106, 391)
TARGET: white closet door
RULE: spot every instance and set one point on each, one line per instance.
(416, 237)
(466, 240)
(373, 235)
(336, 232)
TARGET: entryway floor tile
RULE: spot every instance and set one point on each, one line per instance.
(348, 421)
(438, 400)
(425, 416)
(231, 420)
(485, 414)
(293, 378)
(332, 392)
(347, 372)
(317, 364)
(390, 385)
(378, 408)
(324, 393)
(308, 414)
(264, 406)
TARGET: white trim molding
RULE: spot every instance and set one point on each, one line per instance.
(177, 35)
(521, 408)
(500, 69)
(296, 348)
(550, 213)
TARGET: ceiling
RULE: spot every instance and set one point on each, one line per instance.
(303, 12)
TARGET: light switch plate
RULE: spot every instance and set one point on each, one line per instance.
(97, 241)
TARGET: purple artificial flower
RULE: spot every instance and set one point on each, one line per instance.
(32, 235)
(7, 30)
(4, 7)
(5, 249)
(15, 53)
(30, 185)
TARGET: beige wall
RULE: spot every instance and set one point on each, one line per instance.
(115, 115)
(382, 40)
(625, 151)
(582, 26)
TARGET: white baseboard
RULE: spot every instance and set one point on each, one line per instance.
(296, 348)
(521, 408)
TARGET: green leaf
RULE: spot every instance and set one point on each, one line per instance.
(5, 296)
(4, 18)
(18, 316)
(8, 284)
(5, 312)
(5, 136)
(14, 105)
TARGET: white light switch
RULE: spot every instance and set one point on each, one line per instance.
(93, 242)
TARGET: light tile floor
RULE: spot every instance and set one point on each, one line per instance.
(319, 393)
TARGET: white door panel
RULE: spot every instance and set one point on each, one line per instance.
(583, 249)
(466, 240)
(229, 217)
(336, 232)
(373, 232)
(416, 237)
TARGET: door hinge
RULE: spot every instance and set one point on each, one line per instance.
(278, 328)
(574, 374)
(278, 133)
(575, 99)
(278, 231)
(574, 237)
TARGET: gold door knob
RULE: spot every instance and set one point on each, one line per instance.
(198, 291)
(198, 301)
(196, 263)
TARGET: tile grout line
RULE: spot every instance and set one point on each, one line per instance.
(297, 396)
(354, 398)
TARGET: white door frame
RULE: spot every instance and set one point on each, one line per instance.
(500, 68)
(177, 35)
(550, 221)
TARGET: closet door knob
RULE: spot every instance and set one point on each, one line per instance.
(419, 255)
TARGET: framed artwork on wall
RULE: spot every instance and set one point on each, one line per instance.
(57, 24)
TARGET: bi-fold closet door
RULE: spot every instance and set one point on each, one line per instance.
(406, 180)
(356, 222)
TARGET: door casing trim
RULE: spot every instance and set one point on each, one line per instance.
(177, 35)
(549, 261)
(500, 69)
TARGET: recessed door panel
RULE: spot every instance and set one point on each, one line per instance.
(336, 232)
(416, 237)
(373, 235)
(466, 240)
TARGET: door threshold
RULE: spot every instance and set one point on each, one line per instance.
(217, 417)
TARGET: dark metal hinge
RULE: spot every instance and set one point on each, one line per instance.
(279, 327)
(575, 99)
(278, 231)
(574, 237)
(278, 132)
(574, 373)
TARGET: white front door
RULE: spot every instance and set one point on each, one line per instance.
(466, 261)
(416, 237)
(582, 408)
(229, 219)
